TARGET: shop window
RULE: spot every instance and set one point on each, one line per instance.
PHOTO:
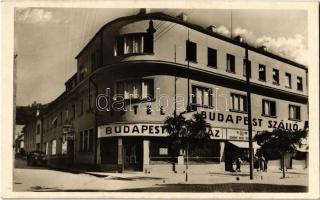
(212, 57)
(231, 63)
(262, 72)
(275, 76)
(238, 103)
(245, 68)
(294, 112)
(299, 83)
(53, 147)
(201, 96)
(269, 108)
(288, 80)
(191, 51)
(135, 89)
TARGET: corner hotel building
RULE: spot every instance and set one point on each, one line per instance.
(141, 56)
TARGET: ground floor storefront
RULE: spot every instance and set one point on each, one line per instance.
(149, 154)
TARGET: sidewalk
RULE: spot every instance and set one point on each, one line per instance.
(273, 176)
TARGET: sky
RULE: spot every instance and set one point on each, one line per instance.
(48, 39)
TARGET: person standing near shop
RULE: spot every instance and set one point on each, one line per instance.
(238, 164)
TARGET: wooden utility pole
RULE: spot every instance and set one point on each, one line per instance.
(248, 74)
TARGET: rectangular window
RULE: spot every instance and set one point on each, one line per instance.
(81, 106)
(53, 147)
(201, 96)
(275, 76)
(262, 72)
(98, 57)
(212, 57)
(82, 71)
(135, 89)
(85, 141)
(133, 44)
(66, 115)
(288, 80)
(73, 111)
(93, 61)
(299, 83)
(269, 108)
(245, 68)
(294, 112)
(38, 128)
(55, 122)
(81, 141)
(61, 122)
(91, 137)
(47, 148)
(191, 51)
(64, 146)
(238, 103)
(231, 63)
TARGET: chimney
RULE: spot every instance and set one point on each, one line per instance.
(263, 48)
(144, 11)
(239, 38)
(212, 28)
(183, 17)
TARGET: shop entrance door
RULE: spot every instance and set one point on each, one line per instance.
(132, 153)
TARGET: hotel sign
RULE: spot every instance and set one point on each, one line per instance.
(132, 130)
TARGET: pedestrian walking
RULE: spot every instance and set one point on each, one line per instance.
(238, 164)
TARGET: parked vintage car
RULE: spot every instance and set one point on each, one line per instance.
(36, 158)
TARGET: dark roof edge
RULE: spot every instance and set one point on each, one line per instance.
(162, 16)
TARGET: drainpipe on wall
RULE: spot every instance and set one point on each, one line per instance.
(95, 121)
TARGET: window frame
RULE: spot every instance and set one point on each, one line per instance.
(295, 118)
(265, 73)
(290, 80)
(142, 81)
(299, 78)
(189, 56)
(263, 108)
(275, 82)
(119, 44)
(194, 96)
(212, 52)
(245, 103)
(232, 63)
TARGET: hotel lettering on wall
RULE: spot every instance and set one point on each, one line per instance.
(132, 130)
(263, 123)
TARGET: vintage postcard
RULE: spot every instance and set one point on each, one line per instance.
(159, 99)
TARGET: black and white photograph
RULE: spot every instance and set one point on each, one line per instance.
(164, 100)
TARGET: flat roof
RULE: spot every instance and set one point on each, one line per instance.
(162, 16)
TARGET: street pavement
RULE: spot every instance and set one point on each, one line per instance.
(26, 178)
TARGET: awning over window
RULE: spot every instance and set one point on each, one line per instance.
(244, 144)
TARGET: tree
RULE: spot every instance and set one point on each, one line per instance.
(280, 141)
(187, 134)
